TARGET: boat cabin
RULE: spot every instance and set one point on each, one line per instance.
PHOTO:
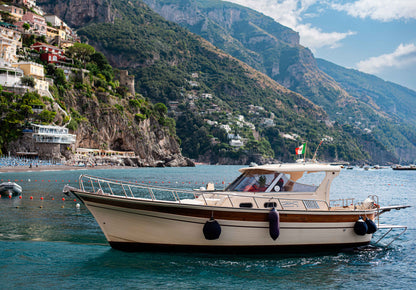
(286, 180)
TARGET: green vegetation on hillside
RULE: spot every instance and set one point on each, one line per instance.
(274, 49)
(164, 57)
(15, 113)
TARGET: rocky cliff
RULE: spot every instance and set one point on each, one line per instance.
(78, 13)
(108, 127)
(105, 123)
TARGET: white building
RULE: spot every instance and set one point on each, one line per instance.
(236, 143)
(10, 41)
(206, 96)
(234, 137)
(52, 134)
(211, 123)
(267, 122)
(227, 128)
(54, 20)
(9, 76)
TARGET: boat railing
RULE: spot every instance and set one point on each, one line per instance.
(130, 189)
(400, 231)
(341, 202)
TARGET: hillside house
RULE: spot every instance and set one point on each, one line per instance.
(26, 3)
(9, 42)
(9, 76)
(61, 29)
(236, 143)
(15, 12)
(52, 134)
(50, 53)
(52, 33)
(206, 96)
(37, 22)
(36, 71)
(54, 20)
(267, 122)
(227, 128)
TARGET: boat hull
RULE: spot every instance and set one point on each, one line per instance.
(8, 189)
(142, 225)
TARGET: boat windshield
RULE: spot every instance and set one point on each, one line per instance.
(268, 182)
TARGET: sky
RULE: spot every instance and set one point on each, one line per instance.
(374, 36)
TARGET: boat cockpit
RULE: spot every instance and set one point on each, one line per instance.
(266, 181)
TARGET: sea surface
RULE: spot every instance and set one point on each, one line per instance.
(50, 243)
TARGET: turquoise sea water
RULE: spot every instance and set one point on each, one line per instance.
(50, 243)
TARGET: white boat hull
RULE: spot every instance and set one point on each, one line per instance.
(144, 224)
(10, 189)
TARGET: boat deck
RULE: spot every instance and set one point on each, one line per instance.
(224, 199)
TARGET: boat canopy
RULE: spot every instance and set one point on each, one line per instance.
(295, 170)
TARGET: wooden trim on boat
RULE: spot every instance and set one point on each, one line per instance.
(236, 214)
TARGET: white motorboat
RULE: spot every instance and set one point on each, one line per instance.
(10, 189)
(266, 209)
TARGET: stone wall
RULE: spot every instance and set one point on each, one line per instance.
(127, 81)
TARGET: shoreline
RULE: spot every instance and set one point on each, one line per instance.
(58, 168)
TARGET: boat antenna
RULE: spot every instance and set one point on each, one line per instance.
(314, 155)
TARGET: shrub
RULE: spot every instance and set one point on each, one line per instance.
(160, 108)
(140, 117)
(119, 108)
(47, 116)
(134, 103)
(28, 81)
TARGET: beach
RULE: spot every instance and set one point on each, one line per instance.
(57, 168)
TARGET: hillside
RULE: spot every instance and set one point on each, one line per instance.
(177, 68)
(259, 41)
(274, 49)
(397, 101)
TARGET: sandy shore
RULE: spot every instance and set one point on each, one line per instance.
(57, 168)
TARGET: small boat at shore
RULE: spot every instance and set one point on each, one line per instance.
(404, 167)
(266, 209)
(10, 189)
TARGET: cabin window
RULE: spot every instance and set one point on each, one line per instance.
(274, 182)
(270, 204)
(246, 204)
(253, 182)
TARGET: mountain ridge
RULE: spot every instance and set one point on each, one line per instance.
(297, 70)
(163, 58)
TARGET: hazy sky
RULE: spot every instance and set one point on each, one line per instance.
(373, 36)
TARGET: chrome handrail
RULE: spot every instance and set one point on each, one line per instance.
(135, 190)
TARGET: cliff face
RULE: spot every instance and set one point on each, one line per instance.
(105, 124)
(77, 13)
(259, 41)
(108, 126)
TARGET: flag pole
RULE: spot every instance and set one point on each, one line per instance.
(314, 155)
(304, 154)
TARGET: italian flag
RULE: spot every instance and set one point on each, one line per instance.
(301, 149)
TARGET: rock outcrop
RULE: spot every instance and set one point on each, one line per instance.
(107, 126)
(78, 13)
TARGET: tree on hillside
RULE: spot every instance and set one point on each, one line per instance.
(28, 81)
(82, 51)
(26, 26)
